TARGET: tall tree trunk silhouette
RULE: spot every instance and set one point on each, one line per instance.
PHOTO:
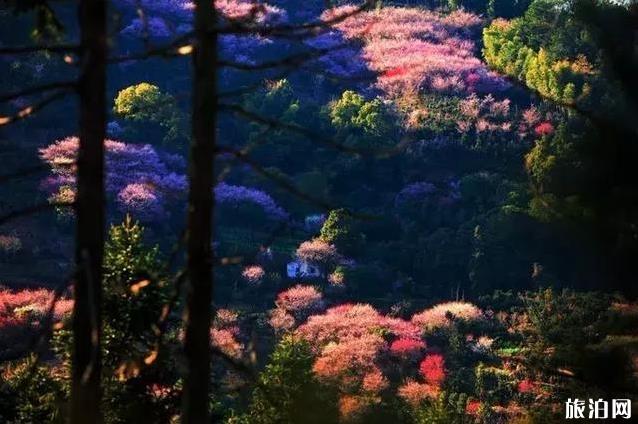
(86, 368)
(200, 210)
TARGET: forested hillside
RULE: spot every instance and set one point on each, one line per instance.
(271, 212)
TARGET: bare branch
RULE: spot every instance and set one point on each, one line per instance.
(246, 159)
(291, 30)
(180, 46)
(30, 110)
(39, 207)
(56, 48)
(37, 89)
(320, 139)
(293, 60)
(274, 123)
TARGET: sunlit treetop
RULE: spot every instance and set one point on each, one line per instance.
(443, 314)
(166, 18)
(414, 50)
(141, 180)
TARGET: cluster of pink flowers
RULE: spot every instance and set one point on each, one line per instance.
(317, 251)
(526, 386)
(349, 358)
(543, 129)
(484, 114)
(281, 321)
(350, 321)
(253, 12)
(351, 407)
(169, 19)
(355, 346)
(10, 244)
(236, 195)
(337, 279)
(225, 340)
(253, 274)
(141, 179)
(374, 382)
(407, 348)
(294, 306)
(414, 393)
(225, 333)
(31, 303)
(22, 311)
(432, 369)
(531, 117)
(300, 300)
(473, 407)
(441, 316)
(225, 318)
(416, 50)
(535, 124)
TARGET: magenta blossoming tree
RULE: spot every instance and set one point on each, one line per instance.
(235, 196)
(139, 179)
(142, 181)
(414, 50)
(443, 314)
(167, 19)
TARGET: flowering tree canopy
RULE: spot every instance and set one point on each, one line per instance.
(166, 19)
(235, 195)
(294, 305)
(300, 300)
(142, 180)
(22, 311)
(317, 251)
(253, 274)
(441, 315)
(414, 50)
(139, 178)
(351, 343)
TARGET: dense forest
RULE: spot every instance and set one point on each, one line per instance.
(264, 212)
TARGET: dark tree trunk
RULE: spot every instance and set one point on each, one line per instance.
(200, 217)
(86, 368)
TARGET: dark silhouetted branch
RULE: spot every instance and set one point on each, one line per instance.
(30, 110)
(32, 210)
(56, 48)
(37, 89)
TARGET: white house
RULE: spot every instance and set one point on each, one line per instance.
(297, 268)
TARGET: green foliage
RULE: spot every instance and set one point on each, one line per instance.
(133, 292)
(563, 80)
(338, 230)
(273, 145)
(133, 297)
(145, 104)
(494, 385)
(126, 256)
(448, 408)
(276, 100)
(353, 112)
(562, 169)
(288, 391)
(492, 8)
(29, 393)
(566, 318)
